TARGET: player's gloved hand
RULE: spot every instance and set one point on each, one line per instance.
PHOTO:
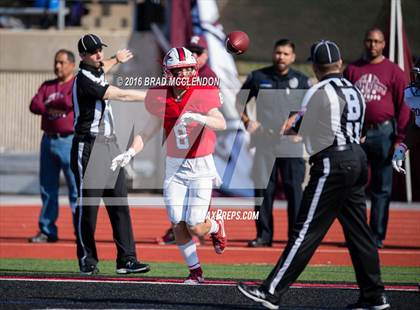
(190, 117)
(123, 159)
(399, 157)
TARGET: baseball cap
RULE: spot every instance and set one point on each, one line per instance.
(197, 44)
(89, 43)
(324, 52)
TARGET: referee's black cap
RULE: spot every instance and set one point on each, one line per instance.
(324, 52)
(89, 43)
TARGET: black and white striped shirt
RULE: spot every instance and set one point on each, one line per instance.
(333, 112)
(92, 114)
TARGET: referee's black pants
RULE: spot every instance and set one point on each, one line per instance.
(335, 190)
(90, 160)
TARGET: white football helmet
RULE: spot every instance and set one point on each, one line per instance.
(178, 57)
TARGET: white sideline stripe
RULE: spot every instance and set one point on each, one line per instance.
(157, 201)
(295, 286)
(302, 233)
(114, 281)
(211, 249)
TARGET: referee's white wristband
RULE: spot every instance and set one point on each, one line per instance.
(131, 152)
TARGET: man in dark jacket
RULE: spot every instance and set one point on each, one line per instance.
(277, 90)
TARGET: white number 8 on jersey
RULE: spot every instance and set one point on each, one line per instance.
(181, 136)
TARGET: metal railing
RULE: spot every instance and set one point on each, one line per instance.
(61, 12)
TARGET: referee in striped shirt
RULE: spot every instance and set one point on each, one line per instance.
(330, 122)
(94, 146)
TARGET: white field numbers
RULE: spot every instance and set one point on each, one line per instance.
(353, 113)
(181, 136)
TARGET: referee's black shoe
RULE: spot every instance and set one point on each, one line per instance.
(89, 270)
(379, 303)
(256, 294)
(132, 266)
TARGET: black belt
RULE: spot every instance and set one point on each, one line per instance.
(335, 148)
(339, 148)
(98, 138)
(57, 135)
(378, 125)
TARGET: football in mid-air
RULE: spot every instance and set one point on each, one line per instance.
(237, 42)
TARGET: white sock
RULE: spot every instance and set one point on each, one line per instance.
(189, 252)
(214, 226)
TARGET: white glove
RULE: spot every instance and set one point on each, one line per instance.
(399, 157)
(190, 117)
(123, 159)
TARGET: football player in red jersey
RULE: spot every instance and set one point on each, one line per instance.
(189, 115)
(198, 47)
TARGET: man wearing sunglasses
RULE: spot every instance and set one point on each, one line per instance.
(382, 84)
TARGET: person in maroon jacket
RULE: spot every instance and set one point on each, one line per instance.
(382, 84)
(53, 102)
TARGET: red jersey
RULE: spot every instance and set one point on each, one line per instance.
(184, 141)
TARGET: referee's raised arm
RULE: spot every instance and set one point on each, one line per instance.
(90, 50)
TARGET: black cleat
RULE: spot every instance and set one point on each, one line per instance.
(379, 303)
(254, 293)
(132, 266)
(89, 270)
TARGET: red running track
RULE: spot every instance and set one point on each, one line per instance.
(17, 223)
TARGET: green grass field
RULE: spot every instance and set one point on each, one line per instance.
(394, 275)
